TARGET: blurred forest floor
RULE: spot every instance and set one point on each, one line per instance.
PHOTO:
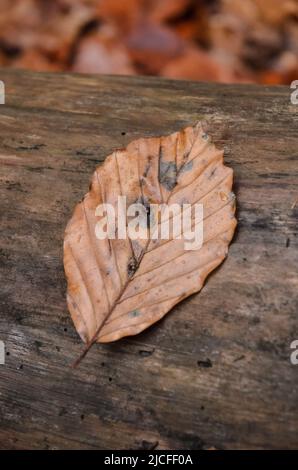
(219, 40)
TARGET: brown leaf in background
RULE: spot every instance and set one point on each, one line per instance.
(102, 52)
(152, 45)
(276, 11)
(227, 40)
(30, 29)
(164, 10)
(119, 287)
(196, 64)
(35, 60)
(123, 14)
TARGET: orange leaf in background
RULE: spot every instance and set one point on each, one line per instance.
(35, 60)
(124, 14)
(164, 10)
(244, 41)
(102, 52)
(152, 45)
(275, 11)
(196, 64)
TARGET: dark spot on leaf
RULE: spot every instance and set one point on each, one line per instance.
(132, 266)
(148, 216)
(167, 173)
(205, 364)
(288, 243)
(146, 205)
(147, 168)
(134, 313)
(212, 173)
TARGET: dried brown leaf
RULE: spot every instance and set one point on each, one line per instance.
(120, 287)
(152, 45)
(196, 64)
(102, 52)
(164, 10)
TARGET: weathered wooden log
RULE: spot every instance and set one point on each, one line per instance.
(216, 372)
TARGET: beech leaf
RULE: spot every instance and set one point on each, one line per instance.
(118, 287)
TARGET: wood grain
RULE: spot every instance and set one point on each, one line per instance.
(216, 371)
